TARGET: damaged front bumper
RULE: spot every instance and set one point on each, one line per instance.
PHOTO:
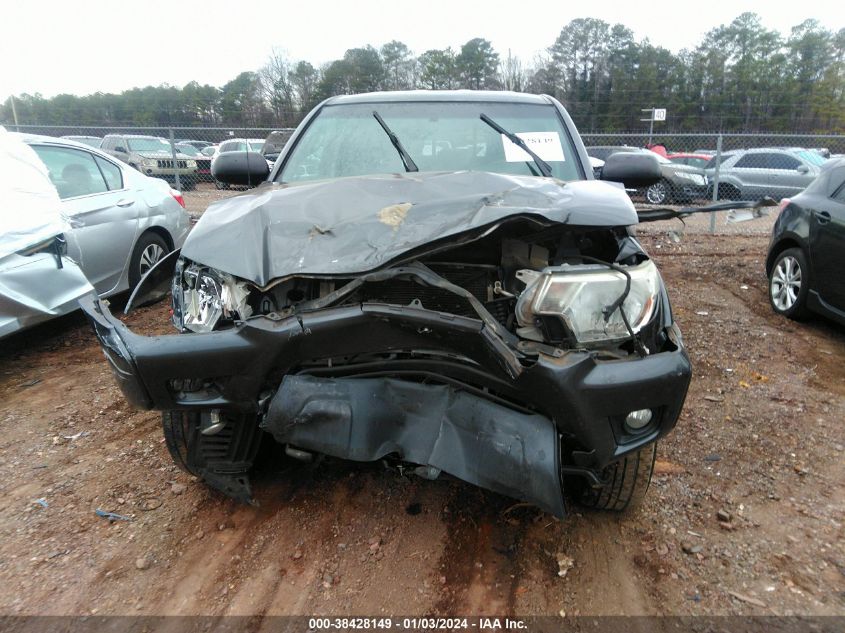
(449, 396)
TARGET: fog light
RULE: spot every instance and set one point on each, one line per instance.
(639, 419)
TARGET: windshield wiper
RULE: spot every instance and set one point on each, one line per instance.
(542, 165)
(407, 161)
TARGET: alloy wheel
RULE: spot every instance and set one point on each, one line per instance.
(786, 283)
(657, 193)
(150, 257)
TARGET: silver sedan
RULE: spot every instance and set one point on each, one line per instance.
(123, 222)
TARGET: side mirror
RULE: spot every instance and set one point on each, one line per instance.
(240, 168)
(632, 170)
(122, 150)
(802, 169)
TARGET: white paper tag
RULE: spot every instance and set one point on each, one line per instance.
(545, 144)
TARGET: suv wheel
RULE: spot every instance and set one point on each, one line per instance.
(628, 481)
(789, 283)
(149, 249)
(659, 192)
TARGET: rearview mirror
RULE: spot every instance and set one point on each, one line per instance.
(240, 168)
(802, 169)
(632, 170)
(119, 149)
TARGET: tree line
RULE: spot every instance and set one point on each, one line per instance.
(740, 77)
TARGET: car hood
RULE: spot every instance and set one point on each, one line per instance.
(355, 225)
(677, 168)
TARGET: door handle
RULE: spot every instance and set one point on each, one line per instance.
(125, 202)
(822, 217)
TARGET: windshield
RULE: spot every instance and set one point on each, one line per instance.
(347, 140)
(148, 145)
(253, 145)
(190, 150)
(814, 158)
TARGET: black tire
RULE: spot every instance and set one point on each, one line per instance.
(659, 193)
(628, 481)
(149, 249)
(180, 431)
(789, 283)
(220, 185)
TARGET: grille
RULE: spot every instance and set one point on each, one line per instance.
(476, 280)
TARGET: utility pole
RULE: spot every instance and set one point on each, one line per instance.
(14, 112)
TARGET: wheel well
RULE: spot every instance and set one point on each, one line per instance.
(161, 232)
(777, 249)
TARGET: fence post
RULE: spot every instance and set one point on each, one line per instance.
(173, 153)
(716, 181)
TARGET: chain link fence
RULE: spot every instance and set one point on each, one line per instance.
(697, 168)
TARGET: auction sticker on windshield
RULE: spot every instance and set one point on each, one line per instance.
(545, 144)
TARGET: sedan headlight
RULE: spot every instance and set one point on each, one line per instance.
(582, 297)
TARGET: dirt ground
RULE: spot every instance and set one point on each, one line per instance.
(760, 441)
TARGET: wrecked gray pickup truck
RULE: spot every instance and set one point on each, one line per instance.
(432, 277)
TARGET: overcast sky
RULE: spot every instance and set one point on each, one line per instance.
(87, 46)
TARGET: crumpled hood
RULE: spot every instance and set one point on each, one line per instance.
(355, 225)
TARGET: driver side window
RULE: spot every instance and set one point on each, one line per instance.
(73, 172)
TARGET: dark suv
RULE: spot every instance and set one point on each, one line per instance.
(428, 277)
(679, 183)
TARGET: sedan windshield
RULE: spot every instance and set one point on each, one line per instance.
(148, 145)
(347, 140)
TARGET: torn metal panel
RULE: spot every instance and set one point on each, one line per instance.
(34, 289)
(356, 225)
(474, 439)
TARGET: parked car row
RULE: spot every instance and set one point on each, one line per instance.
(154, 156)
(747, 174)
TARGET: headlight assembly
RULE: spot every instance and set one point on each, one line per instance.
(585, 298)
(202, 300)
(203, 296)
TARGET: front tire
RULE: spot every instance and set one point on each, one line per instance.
(659, 193)
(180, 431)
(627, 482)
(148, 251)
(789, 283)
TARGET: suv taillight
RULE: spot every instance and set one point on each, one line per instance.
(783, 204)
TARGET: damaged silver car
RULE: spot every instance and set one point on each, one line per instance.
(37, 280)
(431, 277)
